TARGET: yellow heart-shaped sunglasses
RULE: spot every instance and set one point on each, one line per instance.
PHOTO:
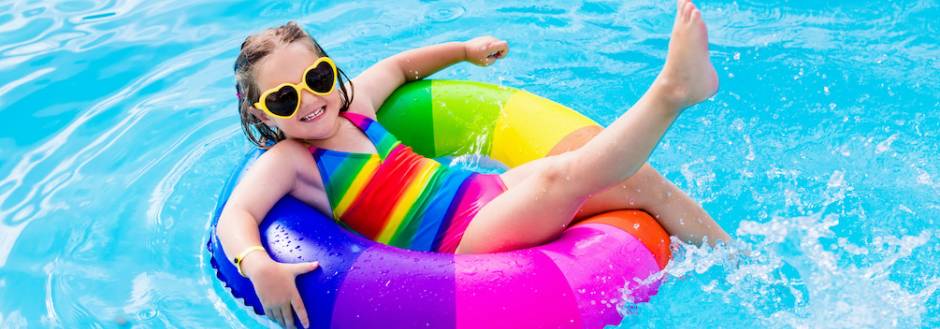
(283, 101)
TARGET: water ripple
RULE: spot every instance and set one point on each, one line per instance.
(443, 12)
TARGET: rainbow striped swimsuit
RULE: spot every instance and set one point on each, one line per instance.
(398, 197)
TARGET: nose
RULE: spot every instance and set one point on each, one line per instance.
(308, 99)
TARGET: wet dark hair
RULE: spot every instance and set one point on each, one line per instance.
(253, 49)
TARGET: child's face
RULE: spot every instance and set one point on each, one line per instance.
(287, 64)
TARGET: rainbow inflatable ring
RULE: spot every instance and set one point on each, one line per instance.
(576, 281)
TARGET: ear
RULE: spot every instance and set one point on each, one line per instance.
(260, 115)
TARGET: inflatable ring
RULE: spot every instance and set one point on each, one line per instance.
(576, 281)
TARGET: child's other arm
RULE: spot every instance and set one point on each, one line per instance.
(267, 181)
(380, 80)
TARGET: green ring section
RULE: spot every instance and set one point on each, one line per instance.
(445, 117)
(465, 114)
(406, 113)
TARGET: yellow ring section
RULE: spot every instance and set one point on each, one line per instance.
(529, 126)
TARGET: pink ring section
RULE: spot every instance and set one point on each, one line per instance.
(513, 290)
(576, 281)
(598, 260)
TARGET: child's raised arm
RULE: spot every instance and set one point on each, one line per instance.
(377, 82)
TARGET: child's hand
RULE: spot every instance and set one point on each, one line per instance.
(485, 50)
(275, 286)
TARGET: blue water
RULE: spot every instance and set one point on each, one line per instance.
(820, 151)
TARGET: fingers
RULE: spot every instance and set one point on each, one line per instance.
(295, 301)
(301, 268)
(498, 49)
(269, 313)
(287, 316)
(485, 50)
(490, 52)
(275, 315)
(298, 304)
(284, 317)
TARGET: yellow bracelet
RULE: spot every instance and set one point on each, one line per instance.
(241, 256)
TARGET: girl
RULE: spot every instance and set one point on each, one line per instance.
(322, 126)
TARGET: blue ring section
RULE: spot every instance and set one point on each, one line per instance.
(293, 232)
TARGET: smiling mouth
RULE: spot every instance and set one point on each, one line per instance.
(314, 115)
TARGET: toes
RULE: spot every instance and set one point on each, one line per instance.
(687, 11)
(679, 4)
(680, 11)
(696, 16)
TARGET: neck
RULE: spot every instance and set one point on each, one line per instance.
(333, 140)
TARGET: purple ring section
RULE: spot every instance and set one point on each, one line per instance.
(392, 288)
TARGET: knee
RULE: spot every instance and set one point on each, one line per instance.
(653, 188)
(646, 176)
(554, 174)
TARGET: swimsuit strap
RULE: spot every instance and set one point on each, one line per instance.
(360, 121)
(383, 141)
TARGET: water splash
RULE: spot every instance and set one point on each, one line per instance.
(474, 159)
(788, 273)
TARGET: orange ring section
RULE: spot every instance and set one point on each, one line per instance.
(642, 226)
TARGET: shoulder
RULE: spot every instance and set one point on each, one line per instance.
(288, 167)
(297, 155)
(288, 147)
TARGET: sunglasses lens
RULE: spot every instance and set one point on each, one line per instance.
(321, 78)
(282, 102)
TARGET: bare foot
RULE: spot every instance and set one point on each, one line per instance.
(688, 76)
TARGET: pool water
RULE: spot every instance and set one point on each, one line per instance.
(819, 153)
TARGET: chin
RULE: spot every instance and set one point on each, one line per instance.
(323, 128)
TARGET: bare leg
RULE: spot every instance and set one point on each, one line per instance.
(646, 190)
(673, 209)
(544, 202)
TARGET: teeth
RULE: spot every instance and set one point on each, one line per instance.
(315, 114)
